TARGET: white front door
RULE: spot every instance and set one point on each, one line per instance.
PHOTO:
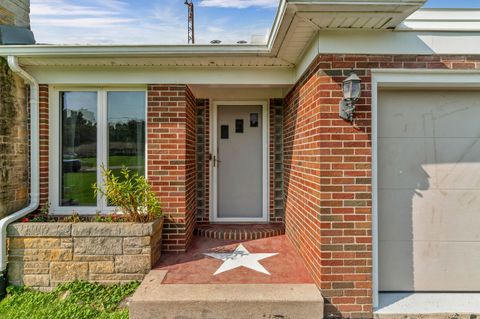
(239, 162)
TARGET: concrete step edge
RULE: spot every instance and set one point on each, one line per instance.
(154, 300)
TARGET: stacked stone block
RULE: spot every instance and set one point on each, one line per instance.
(43, 255)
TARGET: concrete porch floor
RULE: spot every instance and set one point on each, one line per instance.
(264, 278)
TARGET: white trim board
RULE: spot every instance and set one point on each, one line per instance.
(239, 92)
(416, 79)
(390, 43)
(142, 75)
(265, 161)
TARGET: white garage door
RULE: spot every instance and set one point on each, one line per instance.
(429, 190)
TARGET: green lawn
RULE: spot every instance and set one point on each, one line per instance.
(78, 185)
(114, 161)
(76, 300)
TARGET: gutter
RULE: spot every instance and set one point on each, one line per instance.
(72, 50)
(34, 163)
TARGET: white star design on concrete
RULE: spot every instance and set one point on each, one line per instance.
(240, 257)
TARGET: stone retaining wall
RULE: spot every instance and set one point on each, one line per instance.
(42, 255)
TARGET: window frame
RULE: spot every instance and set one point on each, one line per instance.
(55, 127)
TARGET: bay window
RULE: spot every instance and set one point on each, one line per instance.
(92, 128)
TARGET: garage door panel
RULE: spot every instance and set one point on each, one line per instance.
(429, 190)
(429, 114)
(429, 266)
(395, 266)
(457, 163)
(429, 215)
(401, 162)
(424, 163)
(446, 266)
(446, 215)
(396, 220)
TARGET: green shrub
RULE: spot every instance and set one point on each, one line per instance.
(131, 193)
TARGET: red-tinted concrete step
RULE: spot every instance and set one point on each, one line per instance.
(276, 255)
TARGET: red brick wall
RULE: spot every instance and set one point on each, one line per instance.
(327, 174)
(171, 160)
(44, 143)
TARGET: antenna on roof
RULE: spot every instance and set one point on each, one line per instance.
(191, 24)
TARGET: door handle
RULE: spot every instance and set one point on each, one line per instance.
(215, 161)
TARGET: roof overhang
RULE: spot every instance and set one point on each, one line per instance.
(295, 25)
(297, 21)
(348, 14)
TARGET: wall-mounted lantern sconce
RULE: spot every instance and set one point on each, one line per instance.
(351, 93)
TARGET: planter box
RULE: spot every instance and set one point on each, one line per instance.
(42, 255)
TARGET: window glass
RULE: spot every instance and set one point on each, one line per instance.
(78, 148)
(126, 131)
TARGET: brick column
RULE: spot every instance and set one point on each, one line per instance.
(171, 160)
(44, 143)
(328, 174)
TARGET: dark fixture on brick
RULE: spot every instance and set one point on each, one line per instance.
(352, 89)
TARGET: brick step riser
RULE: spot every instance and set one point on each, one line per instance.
(238, 234)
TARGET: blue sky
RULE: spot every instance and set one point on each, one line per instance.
(160, 21)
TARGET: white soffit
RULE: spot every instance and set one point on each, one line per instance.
(348, 14)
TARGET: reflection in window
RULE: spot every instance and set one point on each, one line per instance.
(126, 131)
(79, 148)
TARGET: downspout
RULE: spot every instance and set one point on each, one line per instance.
(34, 165)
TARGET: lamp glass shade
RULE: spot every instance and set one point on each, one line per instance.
(356, 89)
(352, 87)
(347, 89)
